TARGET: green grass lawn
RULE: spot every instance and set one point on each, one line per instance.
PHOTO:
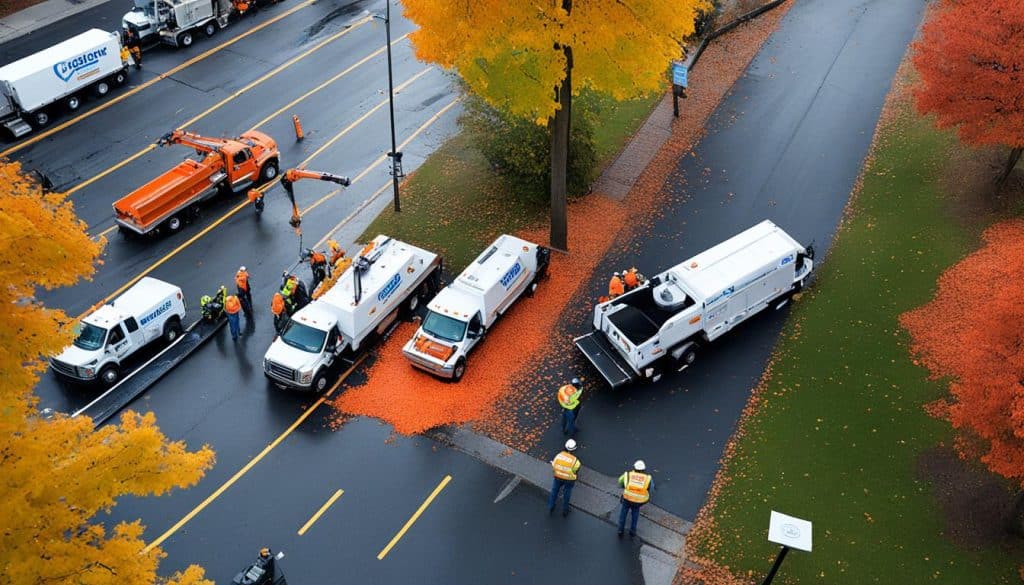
(838, 436)
(455, 205)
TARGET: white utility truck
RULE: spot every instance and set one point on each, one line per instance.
(460, 315)
(151, 309)
(177, 22)
(34, 88)
(387, 278)
(661, 324)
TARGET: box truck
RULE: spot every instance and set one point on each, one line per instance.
(387, 278)
(36, 88)
(460, 315)
(177, 22)
(151, 309)
(660, 325)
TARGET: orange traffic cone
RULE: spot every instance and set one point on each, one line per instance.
(298, 129)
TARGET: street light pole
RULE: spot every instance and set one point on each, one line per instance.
(396, 157)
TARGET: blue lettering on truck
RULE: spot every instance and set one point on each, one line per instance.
(159, 311)
(510, 276)
(389, 288)
(67, 69)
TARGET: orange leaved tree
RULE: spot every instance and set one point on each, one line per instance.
(56, 472)
(971, 60)
(529, 58)
(973, 333)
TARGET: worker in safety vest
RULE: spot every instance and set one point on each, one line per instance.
(565, 466)
(632, 279)
(636, 491)
(232, 306)
(569, 399)
(615, 286)
(280, 311)
(134, 47)
(288, 287)
(244, 291)
(337, 253)
(318, 264)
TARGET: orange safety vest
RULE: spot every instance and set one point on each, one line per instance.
(232, 305)
(631, 279)
(277, 304)
(317, 258)
(569, 396)
(636, 489)
(615, 287)
(242, 280)
(565, 466)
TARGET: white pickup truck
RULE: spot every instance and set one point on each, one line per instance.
(387, 278)
(149, 310)
(460, 315)
(660, 325)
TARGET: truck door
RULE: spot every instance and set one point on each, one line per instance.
(243, 166)
(331, 347)
(118, 344)
(474, 332)
(136, 335)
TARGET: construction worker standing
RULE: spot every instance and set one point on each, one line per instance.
(569, 399)
(134, 47)
(244, 291)
(278, 308)
(565, 466)
(336, 252)
(232, 306)
(615, 286)
(318, 263)
(636, 491)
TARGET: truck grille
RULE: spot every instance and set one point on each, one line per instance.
(281, 371)
(66, 369)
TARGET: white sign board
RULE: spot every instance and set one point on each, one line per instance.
(789, 531)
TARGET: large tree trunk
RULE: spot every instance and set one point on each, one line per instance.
(559, 126)
(1015, 521)
(1010, 163)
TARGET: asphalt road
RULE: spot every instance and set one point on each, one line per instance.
(787, 145)
(806, 112)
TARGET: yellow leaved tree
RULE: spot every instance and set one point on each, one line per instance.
(57, 473)
(530, 58)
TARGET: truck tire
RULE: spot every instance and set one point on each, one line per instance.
(172, 329)
(186, 39)
(269, 171)
(109, 375)
(102, 88)
(782, 301)
(173, 224)
(460, 369)
(41, 118)
(210, 28)
(73, 102)
(687, 356)
(531, 289)
(319, 382)
(120, 77)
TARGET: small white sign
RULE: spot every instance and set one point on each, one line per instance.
(789, 531)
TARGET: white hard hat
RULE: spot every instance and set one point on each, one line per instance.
(242, 268)
(575, 382)
(570, 445)
(639, 465)
(616, 273)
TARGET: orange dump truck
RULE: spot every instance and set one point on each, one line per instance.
(226, 166)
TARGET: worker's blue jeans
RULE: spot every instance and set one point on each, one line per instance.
(233, 324)
(569, 421)
(628, 507)
(555, 488)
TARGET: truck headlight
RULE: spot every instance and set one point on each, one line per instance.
(86, 372)
(307, 377)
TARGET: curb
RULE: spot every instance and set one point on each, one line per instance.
(33, 18)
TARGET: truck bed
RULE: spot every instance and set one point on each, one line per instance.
(605, 359)
(150, 204)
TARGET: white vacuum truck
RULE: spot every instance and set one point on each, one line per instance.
(177, 22)
(660, 325)
(36, 88)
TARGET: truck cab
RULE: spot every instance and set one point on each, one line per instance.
(148, 311)
(460, 315)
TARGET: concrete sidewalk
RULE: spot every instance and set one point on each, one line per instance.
(36, 17)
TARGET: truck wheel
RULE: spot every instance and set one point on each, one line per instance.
(41, 118)
(688, 356)
(102, 88)
(460, 370)
(532, 288)
(268, 172)
(73, 102)
(120, 77)
(109, 375)
(185, 39)
(172, 329)
(319, 382)
(210, 29)
(781, 301)
(174, 224)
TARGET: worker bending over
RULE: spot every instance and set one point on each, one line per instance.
(616, 287)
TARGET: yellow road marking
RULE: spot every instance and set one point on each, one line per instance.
(228, 99)
(213, 225)
(320, 512)
(160, 77)
(252, 463)
(383, 553)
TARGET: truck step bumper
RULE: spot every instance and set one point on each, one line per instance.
(605, 359)
(18, 127)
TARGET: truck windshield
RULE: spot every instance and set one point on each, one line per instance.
(444, 327)
(303, 337)
(91, 337)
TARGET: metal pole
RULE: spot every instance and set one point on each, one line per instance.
(391, 104)
(775, 567)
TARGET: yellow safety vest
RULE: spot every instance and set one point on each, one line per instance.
(569, 396)
(637, 486)
(565, 466)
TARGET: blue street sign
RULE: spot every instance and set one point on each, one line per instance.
(679, 73)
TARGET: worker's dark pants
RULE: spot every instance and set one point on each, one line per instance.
(319, 274)
(569, 420)
(628, 507)
(233, 324)
(557, 486)
(280, 321)
(245, 297)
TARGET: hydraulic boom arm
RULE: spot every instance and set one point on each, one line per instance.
(292, 176)
(201, 144)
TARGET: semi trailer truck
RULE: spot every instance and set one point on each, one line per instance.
(179, 22)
